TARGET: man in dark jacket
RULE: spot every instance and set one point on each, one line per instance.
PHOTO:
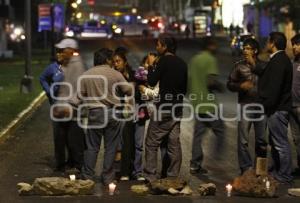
(244, 81)
(274, 90)
(171, 73)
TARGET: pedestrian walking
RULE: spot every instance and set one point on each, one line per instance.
(243, 81)
(274, 91)
(171, 73)
(203, 71)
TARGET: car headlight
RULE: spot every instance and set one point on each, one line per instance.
(118, 30)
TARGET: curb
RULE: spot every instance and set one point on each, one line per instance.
(22, 117)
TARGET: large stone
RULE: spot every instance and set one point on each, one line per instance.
(57, 186)
(162, 186)
(249, 184)
(172, 191)
(139, 189)
(25, 188)
(208, 189)
(186, 191)
(294, 192)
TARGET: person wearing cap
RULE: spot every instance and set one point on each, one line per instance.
(67, 132)
(295, 113)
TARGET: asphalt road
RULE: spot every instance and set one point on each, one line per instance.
(28, 154)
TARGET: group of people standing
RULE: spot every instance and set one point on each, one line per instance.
(164, 75)
(275, 86)
(123, 140)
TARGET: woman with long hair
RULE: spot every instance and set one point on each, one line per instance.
(127, 148)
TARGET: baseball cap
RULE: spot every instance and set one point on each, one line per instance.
(67, 43)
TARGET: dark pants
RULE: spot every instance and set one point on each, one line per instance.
(157, 132)
(200, 127)
(127, 146)
(164, 157)
(295, 128)
(244, 126)
(280, 148)
(68, 136)
(111, 134)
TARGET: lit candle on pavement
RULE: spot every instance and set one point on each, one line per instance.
(228, 188)
(111, 188)
(268, 185)
(72, 177)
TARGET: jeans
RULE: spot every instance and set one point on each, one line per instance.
(244, 125)
(111, 134)
(169, 128)
(200, 127)
(139, 143)
(280, 148)
(295, 129)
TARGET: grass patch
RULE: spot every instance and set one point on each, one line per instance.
(12, 101)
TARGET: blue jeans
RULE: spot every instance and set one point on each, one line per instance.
(280, 147)
(244, 126)
(295, 129)
(139, 144)
(111, 134)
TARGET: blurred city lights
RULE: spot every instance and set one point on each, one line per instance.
(74, 5)
(18, 31)
(117, 13)
(134, 10)
(79, 15)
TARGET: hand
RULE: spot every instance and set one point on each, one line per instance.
(142, 88)
(250, 59)
(247, 85)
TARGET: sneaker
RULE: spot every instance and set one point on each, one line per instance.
(124, 178)
(140, 178)
(198, 170)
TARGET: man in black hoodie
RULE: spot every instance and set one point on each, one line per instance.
(274, 90)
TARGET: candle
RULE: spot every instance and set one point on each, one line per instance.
(72, 177)
(228, 188)
(268, 185)
(111, 188)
